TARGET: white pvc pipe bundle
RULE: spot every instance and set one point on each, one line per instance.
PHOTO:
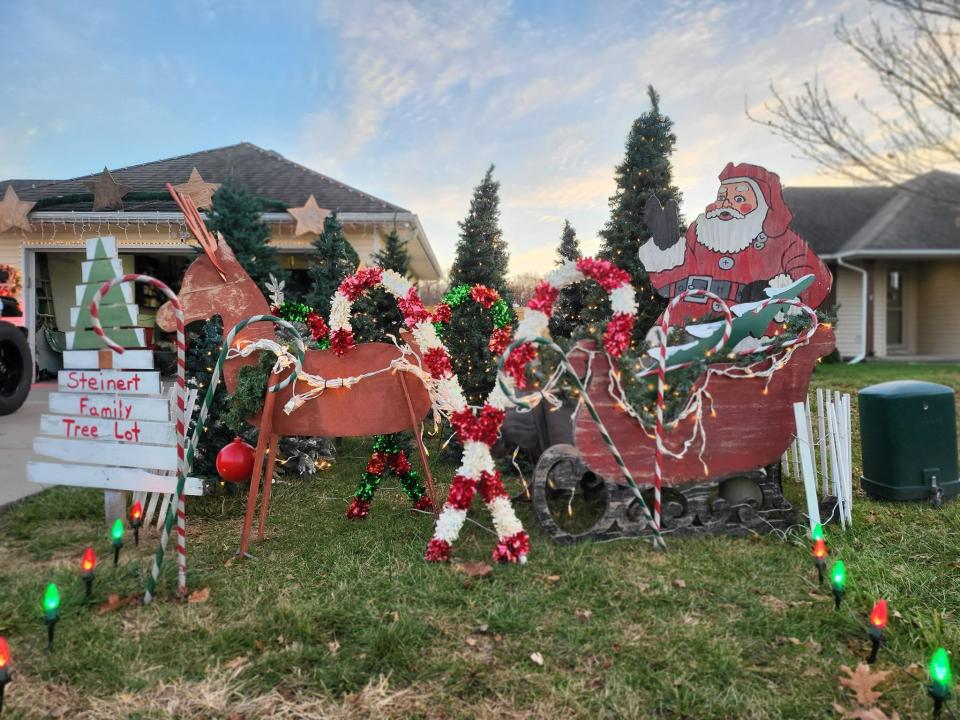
(835, 441)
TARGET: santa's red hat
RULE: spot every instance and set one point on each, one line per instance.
(778, 214)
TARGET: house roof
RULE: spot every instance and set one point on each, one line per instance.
(19, 185)
(922, 216)
(262, 172)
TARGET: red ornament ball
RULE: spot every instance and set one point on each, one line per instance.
(235, 461)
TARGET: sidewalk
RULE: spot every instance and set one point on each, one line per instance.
(16, 444)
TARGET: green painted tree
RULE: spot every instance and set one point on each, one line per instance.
(646, 170)
(386, 316)
(236, 214)
(482, 258)
(572, 299)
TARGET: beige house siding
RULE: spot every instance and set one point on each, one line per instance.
(911, 306)
(848, 315)
(938, 321)
(879, 297)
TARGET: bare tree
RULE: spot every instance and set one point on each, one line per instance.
(915, 60)
(522, 287)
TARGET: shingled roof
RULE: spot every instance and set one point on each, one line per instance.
(262, 172)
(923, 215)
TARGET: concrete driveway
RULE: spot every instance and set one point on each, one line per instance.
(16, 444)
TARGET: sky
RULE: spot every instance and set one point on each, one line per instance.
(412, 101)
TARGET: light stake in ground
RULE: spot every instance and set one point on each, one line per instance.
(941, 679)
(116, 537)
(6, 672)
(51, 611)
(136, 521)
(819, 558)
(878, 621)
(87, 565)
(838, 581)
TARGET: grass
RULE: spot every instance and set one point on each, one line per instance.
(342, 619)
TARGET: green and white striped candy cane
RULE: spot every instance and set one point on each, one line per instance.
(191, 449)
(658, 541)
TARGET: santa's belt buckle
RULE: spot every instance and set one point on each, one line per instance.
(698, 282)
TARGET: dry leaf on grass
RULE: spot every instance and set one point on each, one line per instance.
(199, 596)
(474, 569)
(536, 658)
(679, 584)
(552, 578)
(584, 615)
(774, 603)
(238, 662)
(865, 713)
(862, 681)
(333, 646)
(471, 640)
(115, 602)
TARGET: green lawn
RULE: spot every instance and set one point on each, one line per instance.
(342, 619)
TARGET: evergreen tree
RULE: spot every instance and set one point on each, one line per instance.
(481, 258)
(572, 299)
(333, 260)
(236, 214)
(646, 170)
(383, 310)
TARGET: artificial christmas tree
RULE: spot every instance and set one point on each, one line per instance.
(236, 214)
(333, 260)
(572, 299)
(645, 171)
(382, 307)
(482, 258)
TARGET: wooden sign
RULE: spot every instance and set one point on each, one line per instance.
(98, 381)
(109, 426)
(108, 478)
(89, 428)
(110, 407)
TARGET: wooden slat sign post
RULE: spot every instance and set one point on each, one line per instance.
(109, 426)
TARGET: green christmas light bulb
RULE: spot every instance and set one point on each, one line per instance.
(817, 533)
(116, 532)
(51, 601)
(838, 576)
(940, 673)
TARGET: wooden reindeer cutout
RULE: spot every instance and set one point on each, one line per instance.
(216, 284)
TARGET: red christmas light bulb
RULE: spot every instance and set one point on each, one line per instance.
(878, 616)
(89, 561)
(136, 512)
(4, 653)
(819, 549)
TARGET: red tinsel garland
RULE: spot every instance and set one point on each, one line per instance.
(608, 275)
(617, 336)
(484, 296)
(544, 296)
(437, 362)
(491, 486)
(437, 550)
(412, 309)
(500, 339)
(512, 548)
(377, 464)
(516, 363)
(317, 326)
(484, 427)
(461, 493)
(442, 313)
(341, 341)
(355, 285)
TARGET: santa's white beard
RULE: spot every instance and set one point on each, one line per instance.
(729, 236)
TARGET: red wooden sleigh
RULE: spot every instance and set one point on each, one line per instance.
(730, 484)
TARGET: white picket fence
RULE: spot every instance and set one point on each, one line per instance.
(821, 455)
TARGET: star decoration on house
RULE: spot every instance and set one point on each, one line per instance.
(309, 218)
(13, 211)
(198, 190)
(107, 192)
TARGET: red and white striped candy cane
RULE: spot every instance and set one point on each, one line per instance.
(664, 327)
(181, 407)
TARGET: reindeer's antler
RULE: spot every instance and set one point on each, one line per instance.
(196, 225)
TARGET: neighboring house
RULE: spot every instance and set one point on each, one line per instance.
(895, 257)
(153, 239)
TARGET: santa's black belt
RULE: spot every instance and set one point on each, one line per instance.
(727, 289)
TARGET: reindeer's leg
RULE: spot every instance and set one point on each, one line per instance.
(266, 427)
(370, 480)
(268, 484)
(415, 426)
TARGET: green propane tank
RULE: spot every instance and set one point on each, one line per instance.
(908, 439)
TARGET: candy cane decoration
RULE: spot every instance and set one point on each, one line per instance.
(663, 327)
(182, 467)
